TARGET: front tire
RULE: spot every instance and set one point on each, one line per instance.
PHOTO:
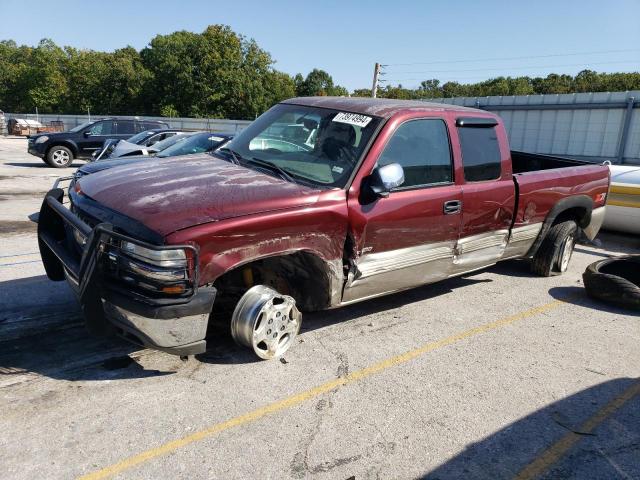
(553, 256)
(59, 157)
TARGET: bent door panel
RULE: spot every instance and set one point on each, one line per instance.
(407, 239)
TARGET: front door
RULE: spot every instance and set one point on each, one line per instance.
(408, 238)
(93, 138)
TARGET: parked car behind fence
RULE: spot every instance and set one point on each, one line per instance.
(60, 149)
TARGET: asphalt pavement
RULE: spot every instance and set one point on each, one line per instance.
(498, 374)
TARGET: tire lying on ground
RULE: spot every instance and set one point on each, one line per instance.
(615, 281)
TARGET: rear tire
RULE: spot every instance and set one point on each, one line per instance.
(59, 157)
(553, 256)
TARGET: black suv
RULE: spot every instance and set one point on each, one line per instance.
(59, 149)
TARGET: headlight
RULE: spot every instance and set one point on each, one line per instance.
(163, 258)
(42, 139)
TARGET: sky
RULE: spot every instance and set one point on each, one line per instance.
(463, 40)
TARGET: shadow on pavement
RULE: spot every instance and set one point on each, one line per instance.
(42, 332)
(578, 296)
(599, 426)
(222, 349)
(44, 165)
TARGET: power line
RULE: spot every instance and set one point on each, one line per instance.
(497, 69)
(601, 52)
(518, 68)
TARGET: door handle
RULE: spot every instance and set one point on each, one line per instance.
(452, 207)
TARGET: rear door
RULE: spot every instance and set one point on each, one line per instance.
(488, 193)
(93, 138)
(407, 238)
(125, 129)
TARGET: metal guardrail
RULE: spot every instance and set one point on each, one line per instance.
(210, 124)
(597, 126)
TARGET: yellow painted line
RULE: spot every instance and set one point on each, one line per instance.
(623, 203)
(554, 453)
(625, 189)
(301, 397)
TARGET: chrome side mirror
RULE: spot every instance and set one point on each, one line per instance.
(386, 178)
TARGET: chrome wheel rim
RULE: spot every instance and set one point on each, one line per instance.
(266, 321)
(565, 255)
(60, 157)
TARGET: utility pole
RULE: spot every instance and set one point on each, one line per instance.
(374, 87)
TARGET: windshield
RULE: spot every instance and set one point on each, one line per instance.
(139, 137)
(167, 142)
(318, 145)
(198, 143)
(81, 126)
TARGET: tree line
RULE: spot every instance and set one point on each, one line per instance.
(216, 73)
(584, 81)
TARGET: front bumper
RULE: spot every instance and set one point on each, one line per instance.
(33, 150)
(174, 324)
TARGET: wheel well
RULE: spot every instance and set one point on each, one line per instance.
(581, 215)
(303, 275)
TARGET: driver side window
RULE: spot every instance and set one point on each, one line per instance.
(101, 128)
(421, 147)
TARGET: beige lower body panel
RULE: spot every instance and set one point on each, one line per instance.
(521, 240)
(395, 270)
(477, 251)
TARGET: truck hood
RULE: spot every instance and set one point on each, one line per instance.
(171, 194)
(100, 165)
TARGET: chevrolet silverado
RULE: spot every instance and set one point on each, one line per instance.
(319, 203)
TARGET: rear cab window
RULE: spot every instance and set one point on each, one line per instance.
(481, 159)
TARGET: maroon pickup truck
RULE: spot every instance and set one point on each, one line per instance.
(319, 203)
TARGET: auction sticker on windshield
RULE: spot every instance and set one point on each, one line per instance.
(352, 119)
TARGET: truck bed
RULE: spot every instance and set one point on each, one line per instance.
(524, 162)
(543, 180)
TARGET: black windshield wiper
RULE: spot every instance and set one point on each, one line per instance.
(235, 157)
(271, 166)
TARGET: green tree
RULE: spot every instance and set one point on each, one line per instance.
(361, 92)
(430, 88)
(40, 81)
(318, 83)
(217, 73)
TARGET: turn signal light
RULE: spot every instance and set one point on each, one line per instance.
(601, 198)
(174, 289)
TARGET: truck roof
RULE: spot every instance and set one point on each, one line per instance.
(379, 107)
